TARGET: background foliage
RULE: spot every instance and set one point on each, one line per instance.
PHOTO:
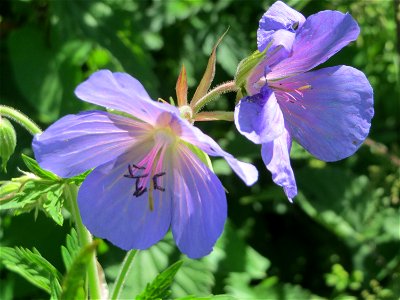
(341, 237)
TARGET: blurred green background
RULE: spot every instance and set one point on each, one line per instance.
(341, 237)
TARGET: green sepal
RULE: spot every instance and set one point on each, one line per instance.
(208, 76)
(245, 67)
(201, 155)
(8, 141)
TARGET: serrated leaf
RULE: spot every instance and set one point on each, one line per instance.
(71, 249)
(155, 260)
(208, 76)
(74, 281)
(35, 194)
(239, 286)
(54, 204)
(33, 267)
(34, 167)
(348, 217)
(246, 66)
(160, 287)
(79, 178)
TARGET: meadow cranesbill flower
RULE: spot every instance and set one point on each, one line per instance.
(328, 111)
(146, 177)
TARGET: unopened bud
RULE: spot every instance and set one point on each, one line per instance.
(8, 141)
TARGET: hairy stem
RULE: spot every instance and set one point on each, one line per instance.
(20, 118)
(214, 116)
(85, 239)
(215, 93)
(123, 272)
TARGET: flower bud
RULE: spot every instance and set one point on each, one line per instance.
(8, 141)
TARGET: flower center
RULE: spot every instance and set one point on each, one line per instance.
(149, 174)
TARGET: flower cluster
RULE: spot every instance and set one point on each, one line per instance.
(149, 171)
(328, 111)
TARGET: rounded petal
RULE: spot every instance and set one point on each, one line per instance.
(110, 210)
(322, 35)
(247, 172)
(278, 16)
(121, 92)
(77, 143)
(259, 117)
(332, 117)
(199, 205)
(275, 155)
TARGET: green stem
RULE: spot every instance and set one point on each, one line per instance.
(126, 266)
(20, 118)
(84, 239)
(214, 116)
(215, 93)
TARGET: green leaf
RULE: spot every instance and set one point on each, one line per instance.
(195, 276)
(160, 287)
(74, 281)
(345, 204)
(78, 179)
(53, 205)
(34, 167)
(208, 76)
(71, 249)
(246, 66)
(35, 194)
(239, 286)
(33, 267)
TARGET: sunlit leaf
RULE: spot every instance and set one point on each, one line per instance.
(34, 167)
(33, 267)
(74, 281)
(71, 249)
(159, 288)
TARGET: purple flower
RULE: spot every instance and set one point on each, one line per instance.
(327, 111)
(146, 178)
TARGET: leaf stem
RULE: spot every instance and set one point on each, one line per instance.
(123, 272)
(20, 118)
(213, 94)
(85, 239)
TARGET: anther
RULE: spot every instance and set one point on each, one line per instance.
(139, 190)
(156, 186)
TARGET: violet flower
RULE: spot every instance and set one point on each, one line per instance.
(146, 179)
(327, 111)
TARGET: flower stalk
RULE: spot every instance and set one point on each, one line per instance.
(213, 94)
(85, 239)
(123, 273)
(20, 118)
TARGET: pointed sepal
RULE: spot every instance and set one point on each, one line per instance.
(182, 88)
(244, 70)
(208, 76)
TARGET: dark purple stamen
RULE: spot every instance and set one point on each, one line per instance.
(140, 190)
(156, 186)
